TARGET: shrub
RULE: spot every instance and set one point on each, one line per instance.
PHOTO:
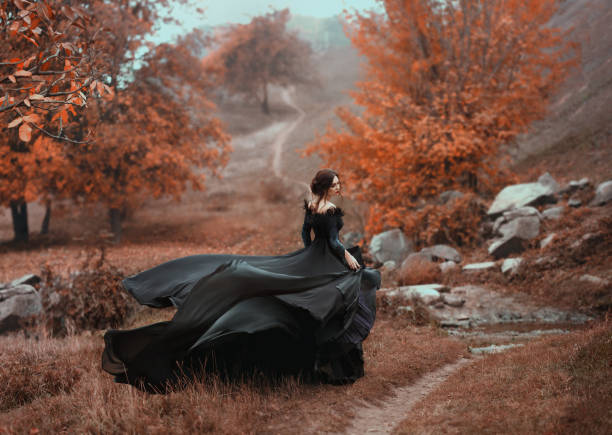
(90, 297)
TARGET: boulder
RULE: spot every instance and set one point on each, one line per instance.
(526, 228)
(546, 241)
(574, 185)
(449, 196)
(511, 265)
(453, 300)
(574, 202)
(447, 266)
(547, 180)
(603, 193)
(521, 212)
(553, 212)
(29, 279)
(511, 215)
(479, 266)
(501, 248)
(521, 195)
(427, 293)
(514, 235)
(17, 303)
(442, 252)
(390, 245)
(352, 238)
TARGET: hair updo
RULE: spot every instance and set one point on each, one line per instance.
(322, 181)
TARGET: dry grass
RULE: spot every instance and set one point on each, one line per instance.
(557, 385)
(86, 399)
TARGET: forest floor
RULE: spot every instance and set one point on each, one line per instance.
(419, 378)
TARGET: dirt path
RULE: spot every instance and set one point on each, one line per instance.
(383, 418)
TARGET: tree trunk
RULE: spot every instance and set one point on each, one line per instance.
(44, 228)
(19, 212)
(114, 215)
(265, 108)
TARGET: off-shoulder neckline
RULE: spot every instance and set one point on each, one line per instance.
(332, 211)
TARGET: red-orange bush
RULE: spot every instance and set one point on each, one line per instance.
(90, 297)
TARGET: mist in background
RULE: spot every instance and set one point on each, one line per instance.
(221, 12)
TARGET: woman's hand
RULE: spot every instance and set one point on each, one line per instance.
(353, 264)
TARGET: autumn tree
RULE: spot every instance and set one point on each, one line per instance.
(155, 134)
(249, 57)
(47, 65)
(448, 83)
(147, 124)
(153, 138)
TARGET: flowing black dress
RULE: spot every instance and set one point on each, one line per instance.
(303, 313)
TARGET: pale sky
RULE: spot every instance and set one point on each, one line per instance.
(218, 12)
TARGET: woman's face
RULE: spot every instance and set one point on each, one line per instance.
(335, 187)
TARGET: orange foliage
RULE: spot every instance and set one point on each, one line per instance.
(251, 56)
(447, 84)
(147, 129)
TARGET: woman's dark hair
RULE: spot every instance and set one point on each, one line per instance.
(321, 183)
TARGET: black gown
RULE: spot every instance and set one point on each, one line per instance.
(304, 313)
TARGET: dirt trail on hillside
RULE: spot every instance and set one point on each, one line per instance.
(256, 152)
(384, 417)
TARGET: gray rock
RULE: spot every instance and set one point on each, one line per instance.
(426, 293)
(479, 266)
(603, 193)
(521, 212)
(498, 223)
(24, 301)
(389, 265)
(352, 238)
(574, 202)
(449, 196)
(442, 252)
(592, 279)
(580, 184)
(501, 248)
(453, 301)
(511, 265)
(455, 323)
(546, 241)
(521, 195)
(547, 180)
(390, 245)
(525, 228)
(553, 212)
(494, 348)
(447, 266)
(29, 279)
(515, 234)
(9, 292)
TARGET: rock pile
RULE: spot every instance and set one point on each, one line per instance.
(18, 300)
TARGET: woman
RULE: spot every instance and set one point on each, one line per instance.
(303, 313)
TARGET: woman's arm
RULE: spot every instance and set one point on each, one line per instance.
(339, 249)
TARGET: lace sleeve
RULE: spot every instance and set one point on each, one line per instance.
(334, 243)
